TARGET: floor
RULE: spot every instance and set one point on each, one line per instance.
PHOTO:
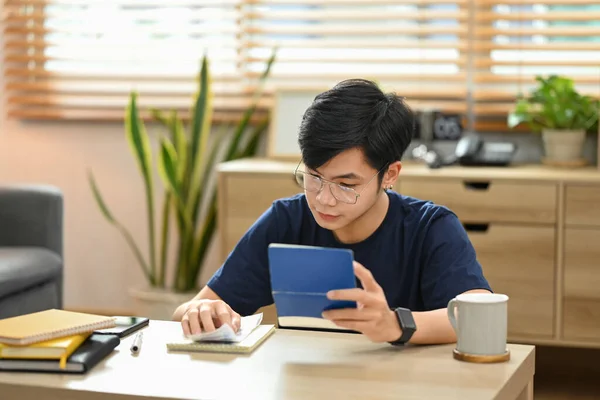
(567, 374)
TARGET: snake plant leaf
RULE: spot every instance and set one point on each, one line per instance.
(252, 145)
(200, 111)
(167, 169)
(180, 143)
(126, 234)
(159, 116)
(167, 166)
(138, 139)
(99, 200)
(202, 121)
(140, 146)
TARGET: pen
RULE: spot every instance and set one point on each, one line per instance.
(137, 343)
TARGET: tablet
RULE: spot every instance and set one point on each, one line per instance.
(301, 276)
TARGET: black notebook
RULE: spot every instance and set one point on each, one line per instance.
(91, 352)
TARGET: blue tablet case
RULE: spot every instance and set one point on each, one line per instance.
(301, 276)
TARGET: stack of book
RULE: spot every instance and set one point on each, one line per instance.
(54, 341)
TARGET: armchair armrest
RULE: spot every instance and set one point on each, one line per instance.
(31, 215)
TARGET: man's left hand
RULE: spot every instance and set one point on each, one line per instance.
(372, 317)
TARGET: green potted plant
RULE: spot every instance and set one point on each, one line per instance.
(562, 115)
(186, 160)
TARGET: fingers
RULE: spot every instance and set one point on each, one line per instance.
(185, 325)
(223, 314)
(207, 315)
(236, 321)
(194, 320)
(358, 295)
(366, 278)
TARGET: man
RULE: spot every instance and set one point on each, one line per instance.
(411, 256)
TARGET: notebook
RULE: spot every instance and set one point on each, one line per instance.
(301, 276)
(247, 345)
(59, 349)
(49, 324)
(93, 350)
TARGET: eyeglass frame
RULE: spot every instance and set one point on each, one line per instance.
(346, 188)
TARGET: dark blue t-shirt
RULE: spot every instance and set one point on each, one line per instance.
(420, 255)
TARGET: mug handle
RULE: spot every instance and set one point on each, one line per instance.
(452, 315)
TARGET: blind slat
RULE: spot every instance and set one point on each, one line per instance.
(374, 30)
(371, 15)
(535, 2)
(488, 16)
(487, 45)
(361, 43)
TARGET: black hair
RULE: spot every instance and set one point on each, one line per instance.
(356, 113)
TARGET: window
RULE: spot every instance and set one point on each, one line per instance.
(78, 59)
(518, 39)
(416, 48)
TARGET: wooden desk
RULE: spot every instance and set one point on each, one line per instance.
(289, 365)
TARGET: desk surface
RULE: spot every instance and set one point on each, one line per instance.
(289, 365)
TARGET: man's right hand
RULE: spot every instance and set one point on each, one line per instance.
(207, 315)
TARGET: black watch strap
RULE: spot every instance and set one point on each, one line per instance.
(407, 325)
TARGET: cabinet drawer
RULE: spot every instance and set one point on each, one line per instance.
(582, 205)
(492, 201)
(519, 262)
(581, 305)
(245, 199)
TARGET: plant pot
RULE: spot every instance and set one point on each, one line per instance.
(563, 146)
(158, 304)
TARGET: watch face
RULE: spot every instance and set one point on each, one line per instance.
(407, 322)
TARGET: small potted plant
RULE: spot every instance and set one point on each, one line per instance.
(562, 115)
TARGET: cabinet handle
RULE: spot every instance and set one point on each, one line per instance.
(476, 227)
(477, 185)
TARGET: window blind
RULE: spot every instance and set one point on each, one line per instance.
(78, 59)
(417, 48)
(515, 40)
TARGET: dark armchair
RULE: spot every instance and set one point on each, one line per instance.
(31, 249)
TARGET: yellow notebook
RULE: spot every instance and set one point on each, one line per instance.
(55, 349)
(251, 342)
(49, 324)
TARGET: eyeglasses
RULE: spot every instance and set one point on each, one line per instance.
(314, 183)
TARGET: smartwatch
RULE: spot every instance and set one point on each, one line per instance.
(407, 325)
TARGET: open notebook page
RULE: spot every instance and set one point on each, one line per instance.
(225, 334)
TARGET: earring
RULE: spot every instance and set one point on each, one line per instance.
(389, 187)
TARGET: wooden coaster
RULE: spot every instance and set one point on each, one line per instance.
(582, 162)
(479, 358)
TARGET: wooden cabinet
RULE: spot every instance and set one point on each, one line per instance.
(582, 205)
(581, 304)
(536, 231)
(488, 200)
(519, 262)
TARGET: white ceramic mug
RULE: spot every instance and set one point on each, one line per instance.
(480, 324)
